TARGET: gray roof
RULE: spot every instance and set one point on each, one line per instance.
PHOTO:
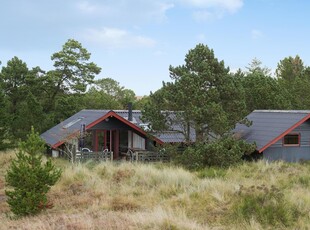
(73, 124)
(173, 136)
(268, 126)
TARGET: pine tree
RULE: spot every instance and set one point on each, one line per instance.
(30, 178)
(203, 92)
(4, 130)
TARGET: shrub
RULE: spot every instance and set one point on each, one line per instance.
(30, 178)
(192, 157)
(223, 152)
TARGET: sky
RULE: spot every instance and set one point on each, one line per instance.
(135, 41)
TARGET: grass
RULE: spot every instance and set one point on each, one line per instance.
(257, 195)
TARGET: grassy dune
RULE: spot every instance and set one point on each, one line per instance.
(136, 196)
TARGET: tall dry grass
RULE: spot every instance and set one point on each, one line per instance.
(158, 196)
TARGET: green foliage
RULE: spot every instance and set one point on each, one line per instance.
(267, 205)
(67, 105)
(107, 93)
(13, 81)
(4, 126)
(171, 150)
(141, 102)
(30, 114)
(223, 152)
(117, 93)
(204, 91)
(30, 178)
(95, 99)
(256, 85)
(73, 69)
(23, 92)
(73, 72)
(255, 67)
(13, 78)
(299, 92)
(290, 68)
(152, 110)
(293, 76)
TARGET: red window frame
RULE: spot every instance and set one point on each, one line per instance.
(291, 145)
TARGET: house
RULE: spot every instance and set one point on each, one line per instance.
(112, 130)
(278, 134)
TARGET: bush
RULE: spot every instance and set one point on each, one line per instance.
(223, 152)
(30, 178)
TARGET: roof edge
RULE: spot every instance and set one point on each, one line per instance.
(112, 113)
(281, 111)
(284, 133)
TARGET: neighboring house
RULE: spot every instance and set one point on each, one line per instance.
(114, 130)
(278, 134)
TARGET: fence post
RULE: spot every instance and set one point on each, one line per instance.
(137, 156)
(74, 154)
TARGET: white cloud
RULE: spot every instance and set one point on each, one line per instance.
(205, 10)
(144, 11)
(227, 5)
(86, 7)
(96, 9)
(117, 38)
(133, 11)
(160, 9)
(205, 15)
(256, 34)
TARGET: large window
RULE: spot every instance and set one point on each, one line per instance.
(291, 140)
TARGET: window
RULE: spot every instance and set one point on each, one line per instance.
(72, 123)
(291, 140)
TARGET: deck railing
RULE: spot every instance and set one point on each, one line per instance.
(147, 156)
(132, 155)
(95, 156)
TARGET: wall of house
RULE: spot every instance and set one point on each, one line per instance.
(110, 123)
(291, 153)
(135, 141)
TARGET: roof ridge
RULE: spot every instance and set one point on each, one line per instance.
(281, 111)
(115, 110)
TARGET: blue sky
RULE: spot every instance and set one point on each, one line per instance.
(135, 41)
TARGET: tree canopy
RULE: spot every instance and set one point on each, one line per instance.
(206, 95)
(203, 92)
(73, 71)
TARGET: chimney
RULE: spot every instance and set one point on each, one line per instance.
(129, 111)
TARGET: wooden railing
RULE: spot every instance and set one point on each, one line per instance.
(147, 156)
(132, 155)
(95, 156)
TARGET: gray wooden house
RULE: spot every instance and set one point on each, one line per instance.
(113, 130)
(278, 134)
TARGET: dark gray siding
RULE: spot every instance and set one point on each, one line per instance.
(291, 154)
(111, 124)
(268, 125)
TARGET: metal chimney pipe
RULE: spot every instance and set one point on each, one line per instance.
(129, 111)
